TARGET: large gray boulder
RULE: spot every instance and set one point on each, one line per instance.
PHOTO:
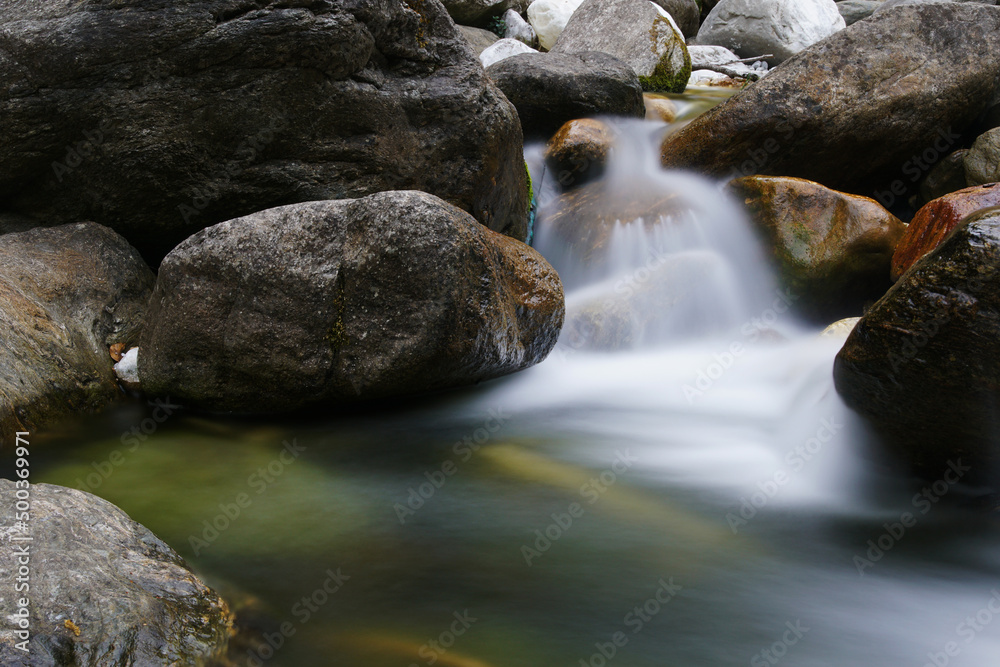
(852, 111)
(549, 89)
(103, 589)
(161, 118)
(320, 303)
(636, 32)
(685, 13)
(66, 295)
(923, 365)
(780, 28)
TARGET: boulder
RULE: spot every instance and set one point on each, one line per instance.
(549, 17)
(777, 28)
(857, 10)
(636, 32)
(685, 14)
(312, 305)
(104, 590)
(832, 249)
(707, 77)
(982, 162)
(947, 176)
(889, 4)
(579, 151)
(67, 294)
(886, 88)
(920, 365)
(549, 89)
(505, 48)
(660, 108)
(935, 220)
(480, 12)
(517, 28)
(722, 60)
(161, 118)
(478, 39)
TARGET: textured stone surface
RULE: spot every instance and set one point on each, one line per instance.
(549, 18)
(505, 48)
(886, 88)
(167, 116)
(478, 38)
(935, 220)
(923, 365)
(685, 13)
(481, 12)
(549, 89)
(314, 304)
(982, 162)
(96, 572)
(578, 152)
(67, 294)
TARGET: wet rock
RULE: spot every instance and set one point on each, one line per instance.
(478, 39)
(857, 10)
(934, 221)
(549, 89)
(505, 48)
(104, 590)
(67, 294)
(636, 32)
(855, 93)
(948, 175)
(779, 28)
(519, 29)
(660, 108)
(159, 119)
(480, 12)
(920, 365)
(706, 77)
(982, 162)
(831, 248)
(315, 304)
(685, 14)
(549, 18)
(578, 152)
(841, 328)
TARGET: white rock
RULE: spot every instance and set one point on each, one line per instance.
(505, 48)
(549, 17)
(841, 328)
(778, 27)
(707, 77)
(721, 59)
(519, 29)
(127, 369)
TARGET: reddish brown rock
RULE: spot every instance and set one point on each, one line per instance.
(934, 222)
(831, 248)
(579, 150)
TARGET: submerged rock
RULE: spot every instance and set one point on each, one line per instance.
(161, 118)
(314, 304)
(67, 294)
(579, 151)
(636, 32)
(922, 364)
(886, 88)
(549, 18)
(549, 89)
(832, 249)
(660, 108)
(104, 590)
(982, 162)
(777, 28)
(934, 221)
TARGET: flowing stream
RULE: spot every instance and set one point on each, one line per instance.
(697, 496)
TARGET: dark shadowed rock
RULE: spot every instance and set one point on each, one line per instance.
(636, 32)
(161, 117)
(948, 175)
(934, 221)
(685, 12)
(66, 295)
(831, 248)
(104, 590)
(313, 304)
(549, 89)
(481, 12)
(923, 365)
(885, 88)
